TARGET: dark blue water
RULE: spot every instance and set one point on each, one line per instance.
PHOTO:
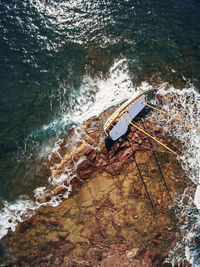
(46, 48)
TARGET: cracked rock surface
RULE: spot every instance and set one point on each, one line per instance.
(108, 219)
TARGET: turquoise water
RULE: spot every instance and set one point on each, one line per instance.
(48, 47)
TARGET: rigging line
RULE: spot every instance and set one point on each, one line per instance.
(163, 178)
(141, 177)
(152, 137)
(176, 118)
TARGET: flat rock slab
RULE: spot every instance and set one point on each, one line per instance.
(108, 219)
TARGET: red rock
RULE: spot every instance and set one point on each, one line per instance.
(115, 260)
(88, 151)
(157, 130)
(103, 148)
(125, 154)
(117, 166)
(92, 156)
(67, 247)
(135, 147)
(84, 165)
(84, 169)
(102, 160)
(109, 169)
(185, 200)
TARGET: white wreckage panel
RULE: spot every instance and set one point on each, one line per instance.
(122, 126)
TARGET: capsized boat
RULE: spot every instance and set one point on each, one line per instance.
(117, 124)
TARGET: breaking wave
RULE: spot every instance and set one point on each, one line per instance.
(93, 97)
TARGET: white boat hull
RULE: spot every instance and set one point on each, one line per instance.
(122, 126)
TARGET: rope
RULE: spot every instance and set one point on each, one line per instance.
(151, 137)
(176, 118)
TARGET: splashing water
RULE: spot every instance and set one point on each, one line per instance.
(185, 104)
(93, 97)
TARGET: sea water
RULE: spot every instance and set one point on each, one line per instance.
(65, 61)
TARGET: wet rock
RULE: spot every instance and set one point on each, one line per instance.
(157, 130)
(43, 199)
(23, 226)
(58, 190)
(84, 169)
(94, 135)
(89, 140)
(81, 149)
(170, 98)
(185, 200)
(181, 220)
(91, 154)
(159, 98)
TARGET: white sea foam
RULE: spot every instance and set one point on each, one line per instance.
(97, 95)
(185, 103)
(94, 97)
(13, 213)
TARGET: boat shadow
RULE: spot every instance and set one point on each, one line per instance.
(109, 143)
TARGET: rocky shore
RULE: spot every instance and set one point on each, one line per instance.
(108, 219)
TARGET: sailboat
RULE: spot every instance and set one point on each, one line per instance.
(117, 125)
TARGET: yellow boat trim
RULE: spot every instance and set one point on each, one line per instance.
(117, 111)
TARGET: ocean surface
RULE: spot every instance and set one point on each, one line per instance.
(62, 62)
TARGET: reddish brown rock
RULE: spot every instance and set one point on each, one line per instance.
(108, 219)
(44, 198)
(89, 140)
(81, 149)
(90, 154)
(125, 155)
(84, 169)
(23, 226)
(185, 200)
(58, 190)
